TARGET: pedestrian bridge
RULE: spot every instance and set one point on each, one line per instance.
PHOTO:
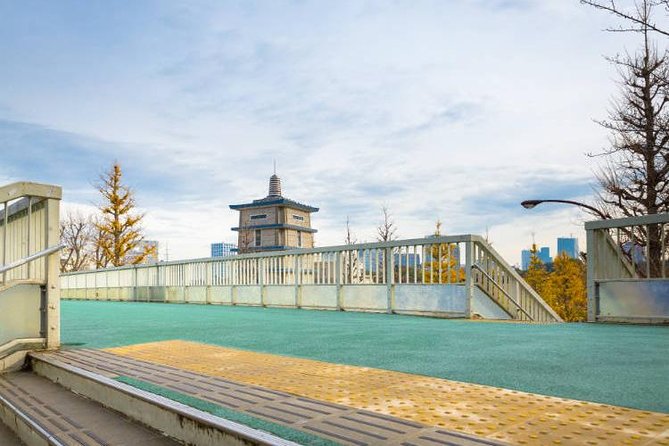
(243, 374)
(455, 276)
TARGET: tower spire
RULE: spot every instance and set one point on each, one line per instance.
(274, 184)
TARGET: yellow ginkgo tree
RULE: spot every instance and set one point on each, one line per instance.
(119, 230)
(442, 262)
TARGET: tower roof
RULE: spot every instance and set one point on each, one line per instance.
(274, 186)
(274, 197)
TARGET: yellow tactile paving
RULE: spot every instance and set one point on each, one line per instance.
(507, 415)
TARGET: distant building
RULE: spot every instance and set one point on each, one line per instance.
(525, 259)
(274, 223)
(139, 250)
(223, 249)
(544, 254)
(568, 245)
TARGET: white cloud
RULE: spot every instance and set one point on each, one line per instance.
(450, 110)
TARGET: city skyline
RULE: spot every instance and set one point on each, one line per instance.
(380, 105)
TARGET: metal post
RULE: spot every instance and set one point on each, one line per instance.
(208, 281)
(30, 208)
(469, 283)
(591, 274)
(296, 266)
(340, 296)
(390, 287)
(4, 243)
(260, 265)
(663, 266)
(647, 252)
(52, 273)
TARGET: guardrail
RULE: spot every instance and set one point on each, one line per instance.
(29, 285)
(430, 276)
(628, 269)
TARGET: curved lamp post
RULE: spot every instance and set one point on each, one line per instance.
(529, 204)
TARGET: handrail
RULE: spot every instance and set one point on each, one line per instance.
(465, 238)
(641, 220)
(512, 272)
(489, 277)
(28, 189)
(30, 258)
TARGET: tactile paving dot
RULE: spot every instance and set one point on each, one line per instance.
(501, 414)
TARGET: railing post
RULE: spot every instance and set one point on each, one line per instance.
(260, 264)
(52, 273)
(208, 281)
(591, 274)
(4, 241)
(296, 273)
(339, 288)
(135, 296)
(390, 279)
(469, 282)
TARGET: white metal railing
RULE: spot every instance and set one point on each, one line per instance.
(371, 276)
(29, 245)
(633, 250)
(505, 286)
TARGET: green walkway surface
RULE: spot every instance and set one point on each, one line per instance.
(613, 364)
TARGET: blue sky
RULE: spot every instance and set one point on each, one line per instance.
(456, 110)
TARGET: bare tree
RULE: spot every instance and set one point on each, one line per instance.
(634, 16)
(246, 238)
(387, 229)
(350, 238)
(76, 232)
(635, 178)
(351, 262)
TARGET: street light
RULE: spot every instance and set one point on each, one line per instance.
(529, 204)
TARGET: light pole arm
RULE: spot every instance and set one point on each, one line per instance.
(529, 204)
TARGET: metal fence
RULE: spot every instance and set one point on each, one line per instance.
(628, 269)
(29, 245)
(454, 276)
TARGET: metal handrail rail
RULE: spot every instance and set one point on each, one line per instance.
(641, 220)
(30, 258)
(509, 269)
(491, 279)
(465, 238)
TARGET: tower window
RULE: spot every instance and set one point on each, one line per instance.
(258, 233)
(258, 216)
(299, 239)
(298, 217)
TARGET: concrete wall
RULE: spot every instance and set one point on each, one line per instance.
(633, 300)
(20, 315)
(448, 300)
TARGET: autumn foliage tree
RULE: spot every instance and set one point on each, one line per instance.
(566, 290)
(119, 230)
(563, 288)
(443, 265)
(537, 274)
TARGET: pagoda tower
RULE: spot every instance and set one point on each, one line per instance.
(274, 223)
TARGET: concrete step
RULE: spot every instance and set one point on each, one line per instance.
(180, 422)
(44, 413)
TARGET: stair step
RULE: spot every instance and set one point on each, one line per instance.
(70, 419)
(186, 424)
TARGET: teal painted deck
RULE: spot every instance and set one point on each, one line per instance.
(614, 364)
